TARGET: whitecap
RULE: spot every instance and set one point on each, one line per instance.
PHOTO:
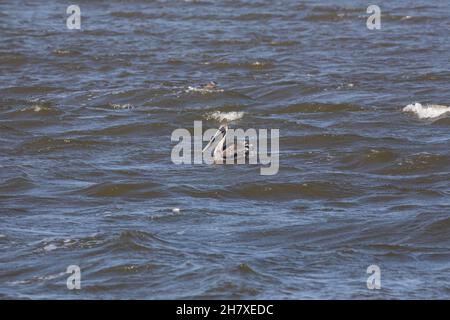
(52, 276)
(229, 116)
(35, 108)
(50, 247)
(202, 90)
(427, 111)
(118, 106)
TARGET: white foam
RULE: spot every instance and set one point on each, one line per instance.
(229, 116)
(427, 111)
(50, 247)
(176, 210)
(52, 276)
(34, 108)
(118, 106)
(202, 90)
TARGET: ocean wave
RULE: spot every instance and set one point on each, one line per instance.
(30, 90)
(318, 107)
(221, 116)
(50, 247)
(47, 144)
(14, 59)
(202, 90)
(256, 16)
(123, 130)
(131, 15)
(325, 139)
(407, 18)
(369, 157)
(428, 111)
(17, 184)
(248, 64)
(417, 163)
(334, 9)
(65, 52)
(43, 108)
(128, 268)
(442, 122)
(278, 191)
(118, 106)
(136, 241)
(106, 189)
(439, 226)
(326, 17)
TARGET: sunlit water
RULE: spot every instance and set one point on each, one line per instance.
(86, 176)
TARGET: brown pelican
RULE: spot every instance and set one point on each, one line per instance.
(222, 151)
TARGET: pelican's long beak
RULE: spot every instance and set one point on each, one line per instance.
(212, 140)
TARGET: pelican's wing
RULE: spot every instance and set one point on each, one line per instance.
(236, 151)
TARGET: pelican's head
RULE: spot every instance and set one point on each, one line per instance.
(220, 133)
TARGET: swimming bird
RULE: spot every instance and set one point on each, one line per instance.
(222, 151)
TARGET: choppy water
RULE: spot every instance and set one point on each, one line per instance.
(86, 176)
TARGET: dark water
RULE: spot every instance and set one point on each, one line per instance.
(85, 171)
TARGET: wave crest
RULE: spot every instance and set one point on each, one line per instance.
(221, 116)
(427, 111)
